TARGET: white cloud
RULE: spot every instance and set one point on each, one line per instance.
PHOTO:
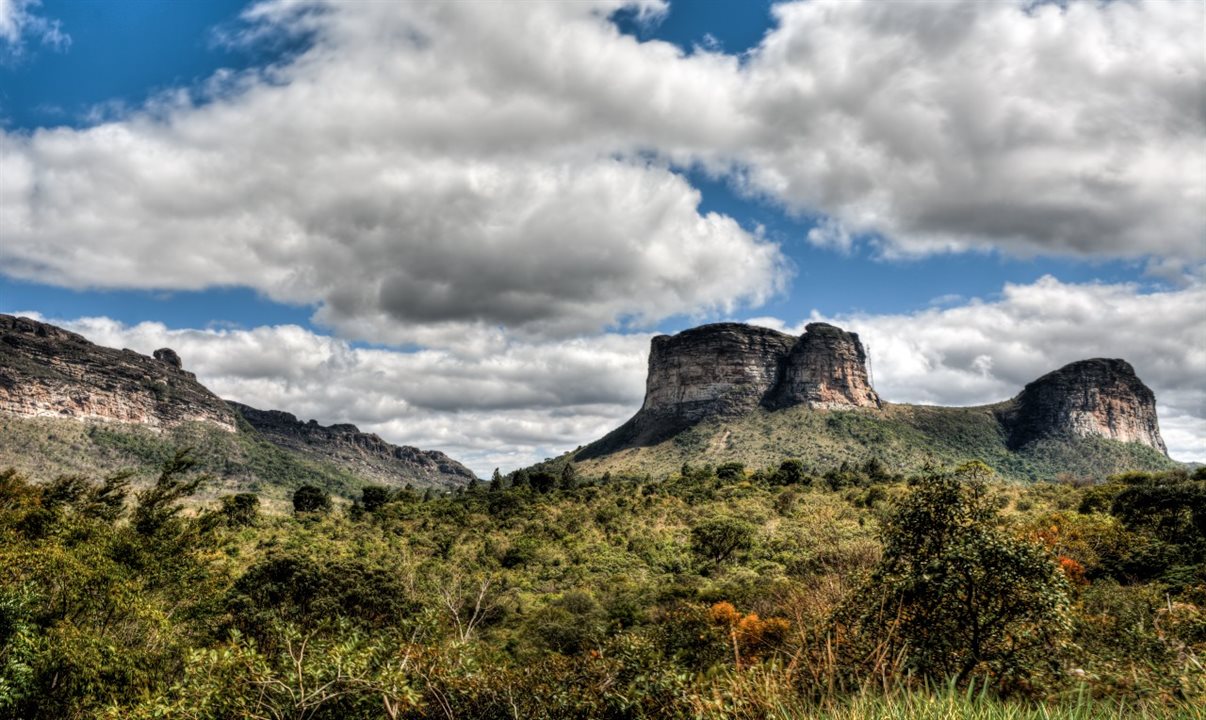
(986, 351)
(19, 23)
(423, 172)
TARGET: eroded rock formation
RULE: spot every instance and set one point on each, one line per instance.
(727, 369)
(1089, 398)
(46, 371)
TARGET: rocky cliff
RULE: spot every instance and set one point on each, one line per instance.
(727, 369)
(718, 373)
(365, 454)
(1090, 398)
(46, 371)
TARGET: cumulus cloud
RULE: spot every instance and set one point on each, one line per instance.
(426, 172)
(1031, 127)
(985, 351)
(20, 23)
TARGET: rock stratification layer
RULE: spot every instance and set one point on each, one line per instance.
(1090, 398)
(727, 369)
(366, 454)
(46, 371)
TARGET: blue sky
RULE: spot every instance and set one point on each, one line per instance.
(869, 164)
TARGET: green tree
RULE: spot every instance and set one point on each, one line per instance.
(240, 510)
(718, 539)
(569, 477)
(310, 499)
(157, 506)
(957, 596)
(372, 497)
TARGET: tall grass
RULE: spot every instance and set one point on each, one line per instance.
(945, 704)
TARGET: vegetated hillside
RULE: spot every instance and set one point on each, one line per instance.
(715, 593)
(904, 437)
(69, 405)
(242, 461)
(364, 454)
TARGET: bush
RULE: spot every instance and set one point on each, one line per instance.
(718, 539)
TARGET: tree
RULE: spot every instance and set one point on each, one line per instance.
(718, 539)
(790, 472)
(311, 499)
(372, 497)
(569, 477)
(157, 506)
(543, 482)
(957, 596)
(496, 481)
(731, 471)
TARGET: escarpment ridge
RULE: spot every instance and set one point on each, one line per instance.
(47, 372)
(715, 373)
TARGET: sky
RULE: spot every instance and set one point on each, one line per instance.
(458, 225)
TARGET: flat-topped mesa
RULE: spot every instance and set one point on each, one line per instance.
(826, 369)
(728, 369)
(1090, 398)
(46, 371)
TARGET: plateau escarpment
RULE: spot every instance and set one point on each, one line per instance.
(733, 392)
(727, 369)
(50, 376)
(46, 371)
(1090, 398)
(366, 454)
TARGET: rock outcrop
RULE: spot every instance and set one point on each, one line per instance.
(365, 454)
(724, 368)
(727, 369)
(827, 368)
(730, 369)
(1090, 398)
(46, 371)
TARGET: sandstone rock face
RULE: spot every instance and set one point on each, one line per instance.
(724, 368)
(1089, 398)
(727, 369)
(365, 454)
(46, 371)
(827, 368)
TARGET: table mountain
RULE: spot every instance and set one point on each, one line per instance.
(734, 392)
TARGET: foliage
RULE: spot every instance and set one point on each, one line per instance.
(310, 499)
(679, 596)
(956, 596)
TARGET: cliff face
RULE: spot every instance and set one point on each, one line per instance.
(727, 369)
(365, 454)
(724, 368)
(1089, 398)
(46, 371)
(827, 368)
